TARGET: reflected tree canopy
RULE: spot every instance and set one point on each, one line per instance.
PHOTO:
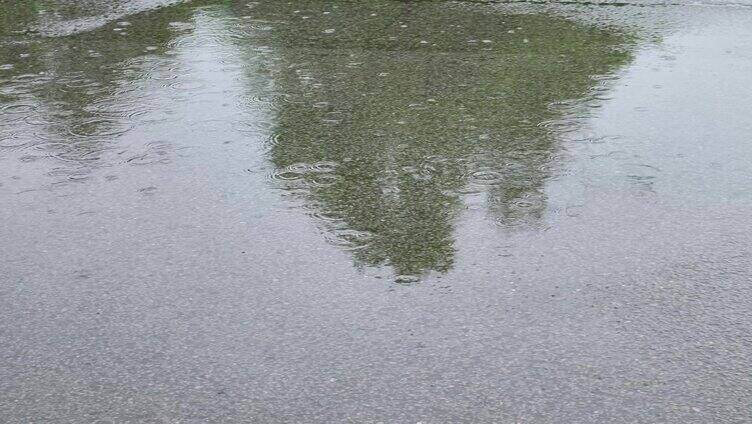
(389, 112)
(386, 114)
(82, 86)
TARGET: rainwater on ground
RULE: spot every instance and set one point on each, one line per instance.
(382, 211)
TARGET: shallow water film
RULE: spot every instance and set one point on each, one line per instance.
(381, 211)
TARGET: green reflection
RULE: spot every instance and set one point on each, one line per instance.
(411, 106)
(388, 114)
(82, 85)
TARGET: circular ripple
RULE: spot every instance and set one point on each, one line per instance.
(125, 110)
(35, 120)
(560, 125)
(186, 85)
(18, 109)
(99, 128)
(300, 167)
(324, 167)
(328, 217)
(290, 173)
(523, 204)
(81, 83)
(198, 40)
(349, 239)
(276, 138)
(12, 140)
(486, 177)
(36, 78)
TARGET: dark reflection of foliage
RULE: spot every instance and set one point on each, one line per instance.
(417, 102)
(79, 81)
(395, 108)
(16, 16)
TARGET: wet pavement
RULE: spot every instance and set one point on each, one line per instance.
(383, 211)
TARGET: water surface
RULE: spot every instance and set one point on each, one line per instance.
(325, 211)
